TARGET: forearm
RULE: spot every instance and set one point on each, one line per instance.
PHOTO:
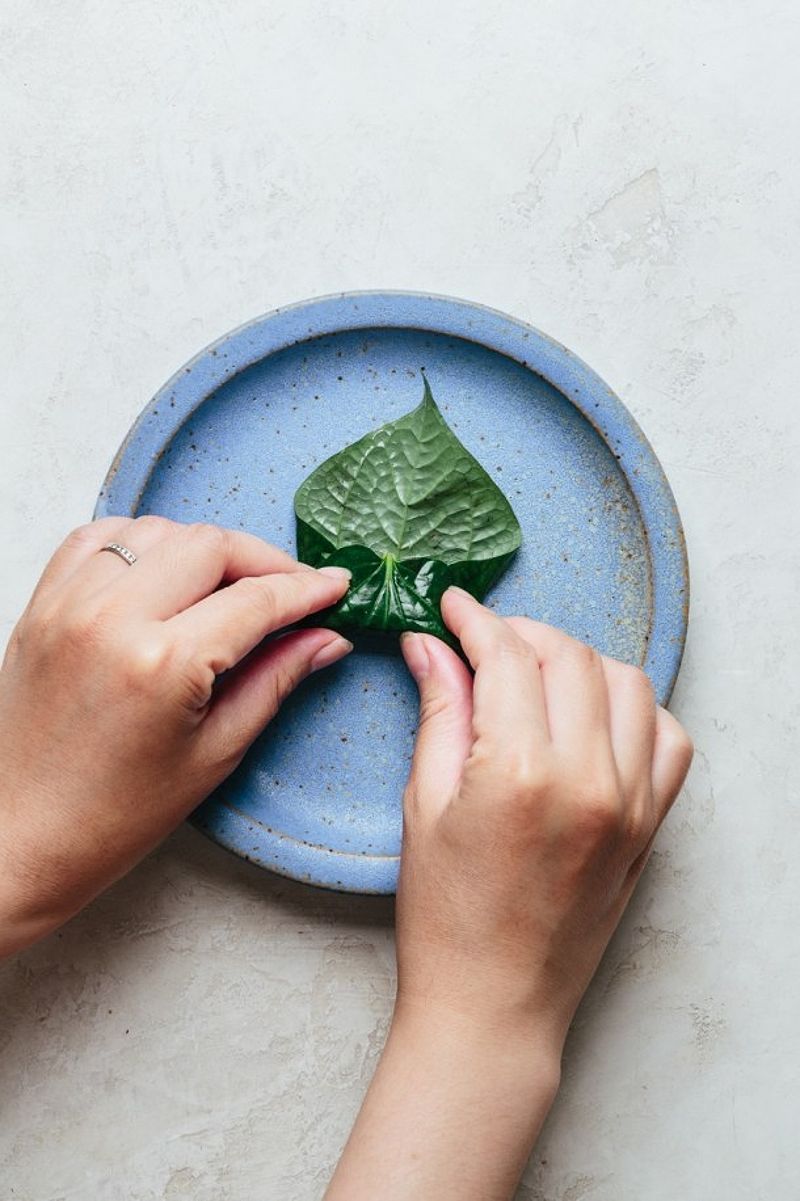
(452, 1112)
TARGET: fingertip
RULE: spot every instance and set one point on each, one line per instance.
(331, 652)
(454, 592)
(435, 666)
(456, 603)
(342, 574)
(415, 652)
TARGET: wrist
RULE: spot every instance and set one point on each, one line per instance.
(459, 1103)
(490, 1014)
(30, 907)
(504, 1052)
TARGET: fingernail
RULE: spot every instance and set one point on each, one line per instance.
(415, 653)
(331, 652)
(337, 573)
(461, 592)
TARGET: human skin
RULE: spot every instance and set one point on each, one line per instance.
(537, 787)
(112, 725)
(536, 790)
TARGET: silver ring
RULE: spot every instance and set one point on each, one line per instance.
(122, 551)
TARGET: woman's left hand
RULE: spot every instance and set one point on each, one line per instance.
(113, 726)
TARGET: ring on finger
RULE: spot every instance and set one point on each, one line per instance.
(116, 548)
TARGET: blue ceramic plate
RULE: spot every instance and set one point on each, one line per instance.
(234, 433)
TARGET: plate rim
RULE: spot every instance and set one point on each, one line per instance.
(323, 316)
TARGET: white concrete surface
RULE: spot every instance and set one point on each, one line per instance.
(623, 175)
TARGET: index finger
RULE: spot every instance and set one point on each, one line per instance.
(227, 625)
(508, 699)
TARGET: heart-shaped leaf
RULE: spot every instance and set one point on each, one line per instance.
(409, 511)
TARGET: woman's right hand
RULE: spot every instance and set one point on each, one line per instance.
(536, 790)
(535, 794)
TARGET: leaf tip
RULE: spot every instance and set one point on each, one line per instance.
(427, 395)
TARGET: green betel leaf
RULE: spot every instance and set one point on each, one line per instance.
(409, 511)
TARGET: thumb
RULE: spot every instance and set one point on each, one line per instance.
(252, 693)
(444, 736)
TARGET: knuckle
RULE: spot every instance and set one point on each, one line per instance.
(486, 767)
(195, 683)
(149, 662)
(638, 682)
(524, 627)
(636, 826)
(281, 682)
(81, 536)
(258, 594)
(529, 777)
(584, 657)
(546, 642)
(510, 648)
(681, 746)
(641, 680)
(434, 705)
(518, 777)
(105, 525)
(674, 737)
(213, 537)
(686, 748)
(153, 523)
(600, 813)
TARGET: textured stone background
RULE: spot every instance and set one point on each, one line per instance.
(624, 176)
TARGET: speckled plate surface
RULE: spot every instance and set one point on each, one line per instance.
(234, 433)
